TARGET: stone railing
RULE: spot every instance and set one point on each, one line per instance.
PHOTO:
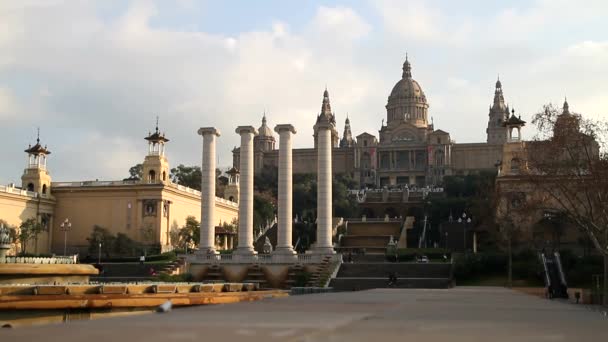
(259, 259)
(37, 260)
(93, 183)
(18, 191)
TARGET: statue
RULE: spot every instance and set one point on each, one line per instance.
(5, 242)
(267, 249)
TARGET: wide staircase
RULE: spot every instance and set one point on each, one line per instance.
(372, 271)
(370, 237)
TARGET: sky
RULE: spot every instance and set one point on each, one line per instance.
(94, 75)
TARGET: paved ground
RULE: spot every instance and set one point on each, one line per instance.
(460, 314)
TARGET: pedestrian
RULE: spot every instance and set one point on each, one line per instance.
(142, 259)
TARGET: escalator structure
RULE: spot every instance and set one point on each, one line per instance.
(555, 280)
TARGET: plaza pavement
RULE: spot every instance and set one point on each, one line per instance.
(458, 314)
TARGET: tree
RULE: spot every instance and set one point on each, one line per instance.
(190, 233)
(28, 230)
(566, 168)
(103, 236)
(263, 210)
(136, 171)
(190, 176)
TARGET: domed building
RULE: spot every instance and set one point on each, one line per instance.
(409, 150)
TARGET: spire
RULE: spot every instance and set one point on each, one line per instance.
(38, 136)
(347, 137)
(566, 107)
(407, 68)
(326, 106)
(499, 100)
(157, 136)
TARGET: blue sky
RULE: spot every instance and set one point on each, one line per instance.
(93, 75)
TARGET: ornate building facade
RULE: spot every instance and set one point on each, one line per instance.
(148, 210)
(408, 150)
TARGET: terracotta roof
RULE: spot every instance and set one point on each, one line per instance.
(514, 121)
(37, 149)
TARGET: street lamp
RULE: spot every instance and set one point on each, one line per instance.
(466, 221)
(65, 226)
(99, 254)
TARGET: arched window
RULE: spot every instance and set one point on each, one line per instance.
(231, 198)
(151, 176)
(44, 189)
(164, 176)
(30, 187)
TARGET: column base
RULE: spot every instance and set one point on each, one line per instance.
(284, 251)
(323, 250)
(244, 251)
(207, 251)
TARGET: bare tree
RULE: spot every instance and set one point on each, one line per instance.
(566, 168)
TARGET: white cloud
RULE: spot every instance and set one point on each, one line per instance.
(82, 75)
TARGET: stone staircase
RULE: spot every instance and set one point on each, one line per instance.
(363, 274)
(369, 236)
(174, 267)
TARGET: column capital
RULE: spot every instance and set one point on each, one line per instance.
(208, 130)
(324, 125)
(246, 129)
(284, 127)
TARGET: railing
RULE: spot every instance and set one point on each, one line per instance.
(70, 259)
(260, 258)
(92, 183)
(18, 191)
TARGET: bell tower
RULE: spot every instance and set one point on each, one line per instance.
(232, 190)
(156, 165)
(35, 177)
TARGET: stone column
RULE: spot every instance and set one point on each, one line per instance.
(245, 246)
(285, 202)
(207, 240)
(324, 189)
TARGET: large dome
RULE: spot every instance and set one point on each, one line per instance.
(264, 130)
(407, 87)
(407, 101)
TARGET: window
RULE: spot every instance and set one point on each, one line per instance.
(438, 140)
(515, 164)
(44, 189)
(30, 187)
(365, 143)
(151, 176)
(164, 176)
(149, 208)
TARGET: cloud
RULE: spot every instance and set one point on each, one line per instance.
(94, 75)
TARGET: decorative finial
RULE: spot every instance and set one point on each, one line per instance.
(38, 136)
(513, 111)
(157, 124)
(407, 68)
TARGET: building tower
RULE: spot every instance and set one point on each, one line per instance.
(511, 124)
(327, 116)
(347, 137)
(156, 165)
(407, 101)
(35, 177)
(499, 113)
(232, 190)
(265, 141)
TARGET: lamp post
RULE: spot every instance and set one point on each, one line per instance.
(466, 221)
(65, 226)
(99, 255)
